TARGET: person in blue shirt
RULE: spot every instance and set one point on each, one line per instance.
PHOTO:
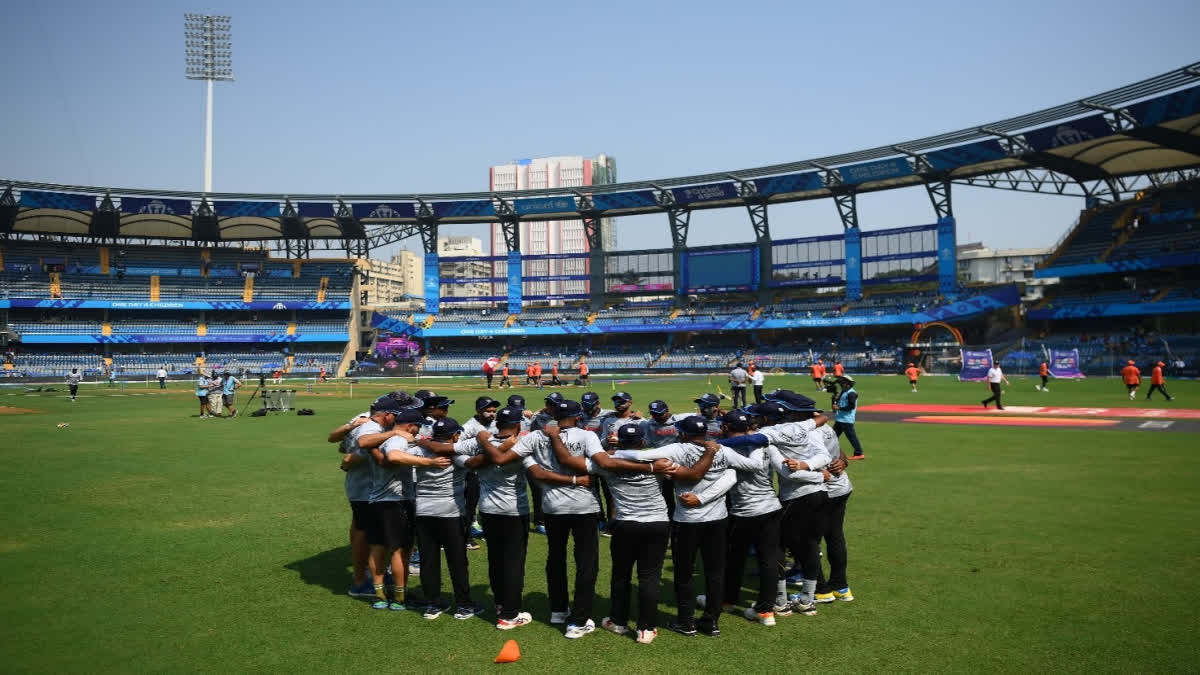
(202, 384)
(845, 407)
(229, 387)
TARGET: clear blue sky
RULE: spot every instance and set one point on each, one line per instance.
(358, 97)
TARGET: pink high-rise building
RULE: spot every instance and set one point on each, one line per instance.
(552, 236)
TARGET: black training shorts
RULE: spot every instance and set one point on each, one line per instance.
(360, 515)
(391, 524)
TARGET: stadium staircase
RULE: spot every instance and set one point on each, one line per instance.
(201, 329)
(512, 318)
(1065, 242)
(106, 328)
(1162, 294)
(291, 329)
(1122, 224)
(756, 313)
(674, 313)
(321, 290)
(248, 289)
(591, 318)
(55, 285)
(656, 359)
(155, 288)
(1, 260)
(428, 322)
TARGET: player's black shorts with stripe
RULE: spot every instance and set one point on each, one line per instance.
(391, 524)
(360, 515)
(74, 388)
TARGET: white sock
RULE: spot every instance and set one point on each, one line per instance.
(781, 593)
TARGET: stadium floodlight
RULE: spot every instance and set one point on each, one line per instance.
(209, 48)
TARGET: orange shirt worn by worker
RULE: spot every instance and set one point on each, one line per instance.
(554, 370)
(817, 371)
(1044, 370)
(839, 370)
(584, 370)
(1131, 374)
(1156, 376)
(913, 373)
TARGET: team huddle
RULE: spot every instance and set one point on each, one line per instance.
(702, 484)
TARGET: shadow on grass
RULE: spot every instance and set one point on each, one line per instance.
(329, 569)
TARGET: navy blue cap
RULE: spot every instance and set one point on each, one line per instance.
(792, 401)
(484, 402)
(553, 397)
(630, 432)
(564, 409)
(590, 399)
(410, 416)
(736, 420)
(708, 401)
(386, 404)
(424, 394)
(407, 401)
(693, 425)
(516, 401)
(509, 416)
(438, 402)
(659, 407)
(446, 427)
(623, 396)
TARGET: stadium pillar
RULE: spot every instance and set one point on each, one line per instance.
(757, 209)
(847, 206)
(597, 260)
(680, 220)
(432, 281)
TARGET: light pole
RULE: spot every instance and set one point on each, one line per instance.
(209, 57)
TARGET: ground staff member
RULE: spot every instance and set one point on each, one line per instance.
(73, 379)
(639, 527)
(357, 466)
(1157, 382)
(913, 374)
(202, 384)
(737, 385)
(572, 512)
(439, 510)
(1132, 377)
(800, 489)
(837, 489)
(229, 388)
(701, 517)
(1044, 371)
(845, 410)
(162, 378)
(994, 377)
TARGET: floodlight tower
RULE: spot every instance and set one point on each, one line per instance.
(209, 58)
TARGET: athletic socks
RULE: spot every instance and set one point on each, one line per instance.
(781, 594)
(379, 593)
(808, 590)
(399, 593)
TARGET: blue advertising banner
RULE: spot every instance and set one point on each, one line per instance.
(35, 303)
(872, 171)
(1166, 108)
(792, 182)
(157, 207)
(711, 192)
(1126, 265)
(481, 298)
(1095, 310)
(624, 200)
(472, 280)
(853, 263)
(172, 338)
(525, 207)
(947, 257)
(383, 211)
(1064, 363)
(433, 288)
(807, 264)
(832, 280)
(975, 365)
(808, 240)
(963, 155)
(241, 209)
(1068, 133)
(469, 209)
(316, 209)
(514, 282)
(36, 199)
(558, 277)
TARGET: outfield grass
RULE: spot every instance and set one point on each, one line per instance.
(141, 538)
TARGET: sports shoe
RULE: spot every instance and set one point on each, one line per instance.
(607, 624)
(520, 619)
(844, 595)
(472, 545)
(559, 617)
(540, 529)
(576, 632)
(476, 530)
(708, 628)
(645, 637)
(823, 598)
(464, 612)
(364, 590)
(433, 611)
(782, 610)
(397, 606)
(794, 576)
(801, 607)
(687, 631)
(380, 604)
(764, 618)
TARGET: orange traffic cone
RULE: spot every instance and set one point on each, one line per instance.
(509, 653)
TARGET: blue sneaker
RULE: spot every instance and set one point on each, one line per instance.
(476, 531)
(464, 612)
(380, 604)
(396, 606)
(541, 529)
(364, 590)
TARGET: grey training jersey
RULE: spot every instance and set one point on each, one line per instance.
(358, 477)
(501, 487)
(797, 440)
(610, 424)
(657, 435)
(392, 483)
(472, 427)
(636, 496)
(687, 454)
(561, 499)
(439, 490)
(840, 485)
(754, 493)
(73, 379)
(540, 420)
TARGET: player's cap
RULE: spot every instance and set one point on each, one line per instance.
(1131, 362)
(911, 366)
(565, 409)
(792, 401)
(516, 401)
(693, 425)
(407, 400)
(410, 416)
(424, 394)
(446, 427)
(590, 399)
(386, 404)
(509, 416)
(1161, 364)
(622, 397)
(439, 402)
(708, 401)
(659, 408)
(484, 402)
(736, 420)
(629, 433)
(554, 397)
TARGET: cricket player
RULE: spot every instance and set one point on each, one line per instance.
(356, 465)
(73, 379)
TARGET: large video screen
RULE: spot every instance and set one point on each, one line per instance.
(721, 270)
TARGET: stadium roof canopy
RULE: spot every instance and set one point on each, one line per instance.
(1105, 147)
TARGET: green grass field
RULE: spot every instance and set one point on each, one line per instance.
(142, 538)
